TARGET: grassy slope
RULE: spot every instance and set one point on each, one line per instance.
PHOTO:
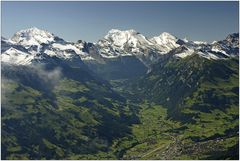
(79, 121)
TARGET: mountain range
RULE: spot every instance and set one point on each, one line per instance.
(33, 42)
(124, 48)
(124, 97)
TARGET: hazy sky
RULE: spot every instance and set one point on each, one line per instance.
(90, 21)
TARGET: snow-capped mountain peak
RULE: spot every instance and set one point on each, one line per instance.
(164, 38)
(32, 36)
(117, 31)
(123, 43)
(166, 35)
(119, 38)
(165, 42)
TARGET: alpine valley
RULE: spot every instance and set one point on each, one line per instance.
(124, 97)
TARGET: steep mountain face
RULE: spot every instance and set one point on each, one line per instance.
(229, 46)
(169, 82)
(126, 67)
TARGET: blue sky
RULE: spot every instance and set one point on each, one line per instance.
(90, 21)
